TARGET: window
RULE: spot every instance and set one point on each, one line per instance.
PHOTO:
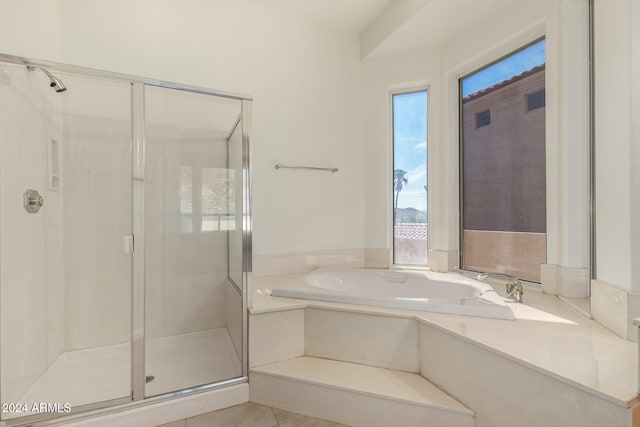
(216, 215)
(207, 199)
(503, 172)
(186, 199)
(410, 178)
(483, 119)
(536, 100)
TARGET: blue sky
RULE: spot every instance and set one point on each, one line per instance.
(410, 121)
(410, 146)
(505, 69)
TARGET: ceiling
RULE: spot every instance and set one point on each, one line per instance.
(390, 27)
(435, 22)
(347, 15)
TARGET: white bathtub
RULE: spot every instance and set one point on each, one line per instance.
(424, 291)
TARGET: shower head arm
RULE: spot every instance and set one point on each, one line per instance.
(55, 82)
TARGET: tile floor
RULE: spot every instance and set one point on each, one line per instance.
(251, 415)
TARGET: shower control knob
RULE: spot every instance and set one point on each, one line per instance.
(33, 201)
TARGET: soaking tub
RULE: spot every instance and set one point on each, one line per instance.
(424, 291)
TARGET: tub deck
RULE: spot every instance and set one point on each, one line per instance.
(548, 335)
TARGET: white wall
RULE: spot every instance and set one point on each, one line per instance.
(383, 77)
(614, 141)
(304, 79)
(31, 28)
(297, 72)
(634, 18)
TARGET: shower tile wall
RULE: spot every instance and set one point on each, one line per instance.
(31, 245)
(97, 212)
(185, 266)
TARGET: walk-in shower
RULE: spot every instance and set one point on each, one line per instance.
(129, 280)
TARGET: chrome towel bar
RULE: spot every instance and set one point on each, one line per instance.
(281, 166)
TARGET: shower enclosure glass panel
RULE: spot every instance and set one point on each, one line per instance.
(192, 177)
(65, 281)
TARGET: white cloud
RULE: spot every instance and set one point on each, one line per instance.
(418, 175)
(421, 145)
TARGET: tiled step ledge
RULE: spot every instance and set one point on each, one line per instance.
(355, 394)
(548, 337)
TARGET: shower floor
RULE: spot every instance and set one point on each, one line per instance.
(104, 373)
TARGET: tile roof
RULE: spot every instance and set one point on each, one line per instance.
(502, 84)
(405, 230)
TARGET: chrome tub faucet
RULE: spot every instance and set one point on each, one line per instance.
(514, 289)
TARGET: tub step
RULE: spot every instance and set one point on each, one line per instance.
(354, 394)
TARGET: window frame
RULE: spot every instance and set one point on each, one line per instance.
(460, 78)
(405, 90)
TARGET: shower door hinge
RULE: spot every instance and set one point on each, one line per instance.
(127, 244)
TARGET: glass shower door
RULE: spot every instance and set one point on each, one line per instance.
(190, 222)
(65, 277)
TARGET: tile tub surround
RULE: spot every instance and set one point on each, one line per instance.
(443, 261)
(615, 308)
(548, 338)
(303, 262)
(377, 258)
(570, 282)
(501, 390)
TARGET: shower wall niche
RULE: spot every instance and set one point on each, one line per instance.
(130, 281)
